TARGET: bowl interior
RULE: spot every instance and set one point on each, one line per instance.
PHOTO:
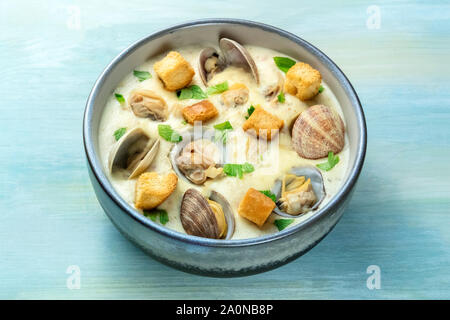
(247, 33)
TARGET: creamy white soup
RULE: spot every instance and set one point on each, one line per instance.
(275, 160)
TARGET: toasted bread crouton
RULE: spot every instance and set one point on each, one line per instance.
(201, 111)
(174, 71)
(302, 81)
(236, 95)
(153, 188)
(256, 207)
(262, 123)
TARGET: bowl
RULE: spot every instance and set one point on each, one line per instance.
(212, 257)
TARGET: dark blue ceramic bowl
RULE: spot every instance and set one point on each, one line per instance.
(222, 257)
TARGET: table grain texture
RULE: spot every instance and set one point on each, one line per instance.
(395, 54)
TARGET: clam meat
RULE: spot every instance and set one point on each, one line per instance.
(133, 153)
(147, 104)
(299, 191)
(232, 53)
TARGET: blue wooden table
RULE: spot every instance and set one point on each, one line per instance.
(395, 54)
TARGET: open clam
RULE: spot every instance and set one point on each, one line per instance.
(300, 191)
(133, 153)
(232, 53)
(271, 92)
(196, 158)
(207, 217)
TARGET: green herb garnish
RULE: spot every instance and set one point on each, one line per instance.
(119, 98)
(142, 75)
(281, 97)
(224, 126)
(284, 63)
(321, 89)
(167, 133)
(250, 111)
(119, 133)
(332, 161)
(191, 92)
(153, 214)
(222, 131)
(233, 170)
(218, 88)
(184, 122)
(282, 223)
(269, 194)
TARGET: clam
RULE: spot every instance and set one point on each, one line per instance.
(300, 191)
(232, 53)
(147, 104)
(210, 217)
(133, 153)
(197, 157)
(317, 131)
(271, 92)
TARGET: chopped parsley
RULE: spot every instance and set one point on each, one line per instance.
(222, 131)
(321, 89)
(218, 88)
(153, 215)
(284, 63)
(191, 92)
(142, 75)
(250, 111)
(269, 194)
(282, 223)
(167, 133)
(332, 161)
(119, 133)
(119, 98)
(237, 170)
(281, 97)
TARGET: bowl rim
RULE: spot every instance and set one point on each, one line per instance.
(104, 183)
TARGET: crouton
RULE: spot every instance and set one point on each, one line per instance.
(256, 207)
(263, 124)
(174, 71)
(302, 81)
(236, 95)
(201, 111)
(153, 188)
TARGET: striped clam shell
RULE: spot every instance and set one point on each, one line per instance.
(317, 131)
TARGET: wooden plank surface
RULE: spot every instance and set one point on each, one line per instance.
(52, 51)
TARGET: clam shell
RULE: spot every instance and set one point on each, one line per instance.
(199, 220)
(205, 54)
(118, 157)
(317, 131)
(189, 136)
(237, 55)
(316, 183)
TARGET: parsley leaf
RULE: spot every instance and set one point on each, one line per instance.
(233, 169)
(281, 97)
(163, 217)
(167, 133)
(222, 130)
(284, 63)
(119, 133)
(218, 88)
(119, 98)
(224, 126)
(153, 214)
(321, 89)
(250, 111)
(142, 75)
(282, 223)
(332, 161)
(191, 92)
(269, 194)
